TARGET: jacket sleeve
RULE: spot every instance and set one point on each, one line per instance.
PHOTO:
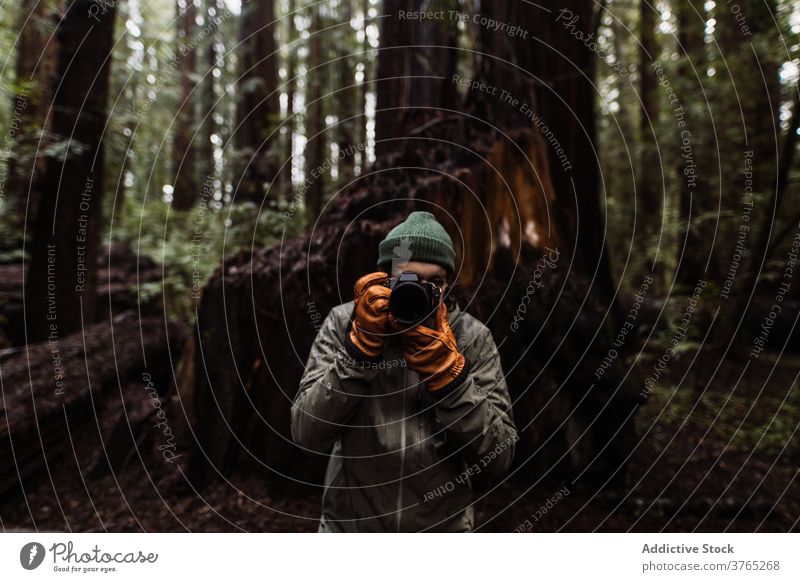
(331, 387)
(476, 412)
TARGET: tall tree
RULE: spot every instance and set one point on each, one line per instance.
(208, 92)
(258, 108)
(785, 164)
(695, 197)
(347, 93)
(432, 61)
(366, 64)
(37, 51)
(648, 184)
(416, 63)
(391, 84)
(752, 128)
(61, 278)
(559, 90)
(185, 188)
(316, 80)
(291, 92)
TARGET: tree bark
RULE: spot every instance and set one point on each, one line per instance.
(695, 198)
(754, 130)
(291, 90)
(649, 192)
(571, 93)
(185, 189)
(788, 151)
(258, 108)
(37, 52)
(54, 390)
(366, 62)
(558, 90)
(393, 68)
(208, 96)
(315, 121)
(432, 62)
(346, 96)
(62, 271)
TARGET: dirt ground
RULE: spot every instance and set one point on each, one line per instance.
(718, 458)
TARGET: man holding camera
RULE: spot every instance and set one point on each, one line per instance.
(410, 441)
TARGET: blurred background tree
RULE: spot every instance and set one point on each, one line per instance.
(220, 93)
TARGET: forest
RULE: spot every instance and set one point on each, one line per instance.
(188, 187)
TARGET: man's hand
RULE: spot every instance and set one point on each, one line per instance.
(432, 353)
(370, 323)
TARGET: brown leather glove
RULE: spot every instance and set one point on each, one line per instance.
(370, 321)
(433, 353)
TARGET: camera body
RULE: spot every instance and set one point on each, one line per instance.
(412, 301)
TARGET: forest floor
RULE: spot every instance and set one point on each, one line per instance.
(721, 458)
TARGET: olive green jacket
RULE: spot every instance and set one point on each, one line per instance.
(401, 459)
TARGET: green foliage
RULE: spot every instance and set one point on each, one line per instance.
(747, 413)
(766, 423)
(192, 244)
(720, 97)
(146, 92)
(11, 238)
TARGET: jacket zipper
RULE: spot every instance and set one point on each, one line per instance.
(402, 453)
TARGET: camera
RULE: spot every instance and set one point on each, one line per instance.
(412, 301)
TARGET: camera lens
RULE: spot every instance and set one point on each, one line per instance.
(409, 302)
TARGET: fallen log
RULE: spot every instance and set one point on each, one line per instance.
(120, 271)
(54, 388)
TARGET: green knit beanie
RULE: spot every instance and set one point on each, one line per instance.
(419, 238)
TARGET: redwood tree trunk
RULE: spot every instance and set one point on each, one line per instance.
(185, 188)
(432, 62)
(391, 84)
(648, 184)
(365, 87)
(346, 96)
(62, 270)
(695, 196)
(35, 66)
(287, 188)
(755, 124)
(315, 121)
(258, 108)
